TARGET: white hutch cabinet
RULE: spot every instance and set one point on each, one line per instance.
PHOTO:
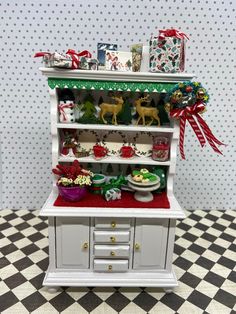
(104, 246)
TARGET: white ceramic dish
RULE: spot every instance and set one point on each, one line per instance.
(143, 142)
(87, 139)
(113, 141)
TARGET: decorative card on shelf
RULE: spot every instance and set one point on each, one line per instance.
(102, 47)
(136, 56)
(167, 51)
(118, 61)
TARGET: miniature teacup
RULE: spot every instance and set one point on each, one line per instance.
(99, 151)
(127, 152)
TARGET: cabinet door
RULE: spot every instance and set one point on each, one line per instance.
(150, 243)
(72, 242)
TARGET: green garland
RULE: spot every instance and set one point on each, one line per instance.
(110, 85)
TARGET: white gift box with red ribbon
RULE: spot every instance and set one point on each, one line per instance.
(70, 60)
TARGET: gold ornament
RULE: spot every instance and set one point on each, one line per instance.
(200, 94)
(177, 96)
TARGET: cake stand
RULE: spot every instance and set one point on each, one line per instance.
(143, 190)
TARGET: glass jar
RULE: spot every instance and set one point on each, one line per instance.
(160, 149)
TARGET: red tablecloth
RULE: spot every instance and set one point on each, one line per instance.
(127, 201)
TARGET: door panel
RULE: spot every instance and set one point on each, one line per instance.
(150, 243)
(72, 242)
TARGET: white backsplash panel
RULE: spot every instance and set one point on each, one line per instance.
(205, 180)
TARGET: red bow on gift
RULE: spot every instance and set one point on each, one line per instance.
(75, 56)
(171, 33)
(191, 113)
(41, 54)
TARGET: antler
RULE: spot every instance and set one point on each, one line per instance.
(144, 98)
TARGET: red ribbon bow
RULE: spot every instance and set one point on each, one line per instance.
(75, 56)
(61, 108)
(41, 54)
(195, 120)
(171, 33)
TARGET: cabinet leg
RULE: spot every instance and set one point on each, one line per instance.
(168, 290)
(52, 289)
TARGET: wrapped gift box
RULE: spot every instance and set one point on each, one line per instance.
(88, 64)
(70, 60)
(167, 51)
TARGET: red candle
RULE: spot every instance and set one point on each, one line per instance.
(160, 150)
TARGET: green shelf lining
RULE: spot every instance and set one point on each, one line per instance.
(110, 85)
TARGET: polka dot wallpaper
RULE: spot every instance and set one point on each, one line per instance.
(205, 180)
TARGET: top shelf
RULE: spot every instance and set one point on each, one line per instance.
(127, 128)
(117, 76)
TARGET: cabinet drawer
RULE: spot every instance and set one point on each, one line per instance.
(111, 250)
(113, 223)
(110, 265)
(111, 236)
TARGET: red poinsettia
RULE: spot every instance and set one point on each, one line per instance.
(70, 172)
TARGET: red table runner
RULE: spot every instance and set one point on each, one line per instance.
(127, 201)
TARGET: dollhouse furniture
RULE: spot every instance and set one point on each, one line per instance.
(107, 246)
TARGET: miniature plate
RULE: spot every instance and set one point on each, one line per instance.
(150, 183)
(87, 139)
(113, 141)
(98, 158)
(132, 157)
(143, 142)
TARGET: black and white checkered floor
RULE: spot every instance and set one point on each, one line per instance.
(204, 261)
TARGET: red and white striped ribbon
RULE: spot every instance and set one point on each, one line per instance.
(181, 137)
(204, 133)
(75, 57)
(209, 135)
(61, 108)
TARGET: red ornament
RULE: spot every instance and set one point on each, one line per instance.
(188, 89)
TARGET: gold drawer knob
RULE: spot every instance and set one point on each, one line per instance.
(113, 224)
(137, 246)
(113, 239)
(85, 245)
(112, 253)
(109, 267)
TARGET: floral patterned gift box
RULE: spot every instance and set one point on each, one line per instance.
(167, 51)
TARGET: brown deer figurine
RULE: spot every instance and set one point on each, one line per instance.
(111, 108)
(146, 112)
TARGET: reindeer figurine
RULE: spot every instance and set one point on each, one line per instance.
(111, 108)
(146, 112)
